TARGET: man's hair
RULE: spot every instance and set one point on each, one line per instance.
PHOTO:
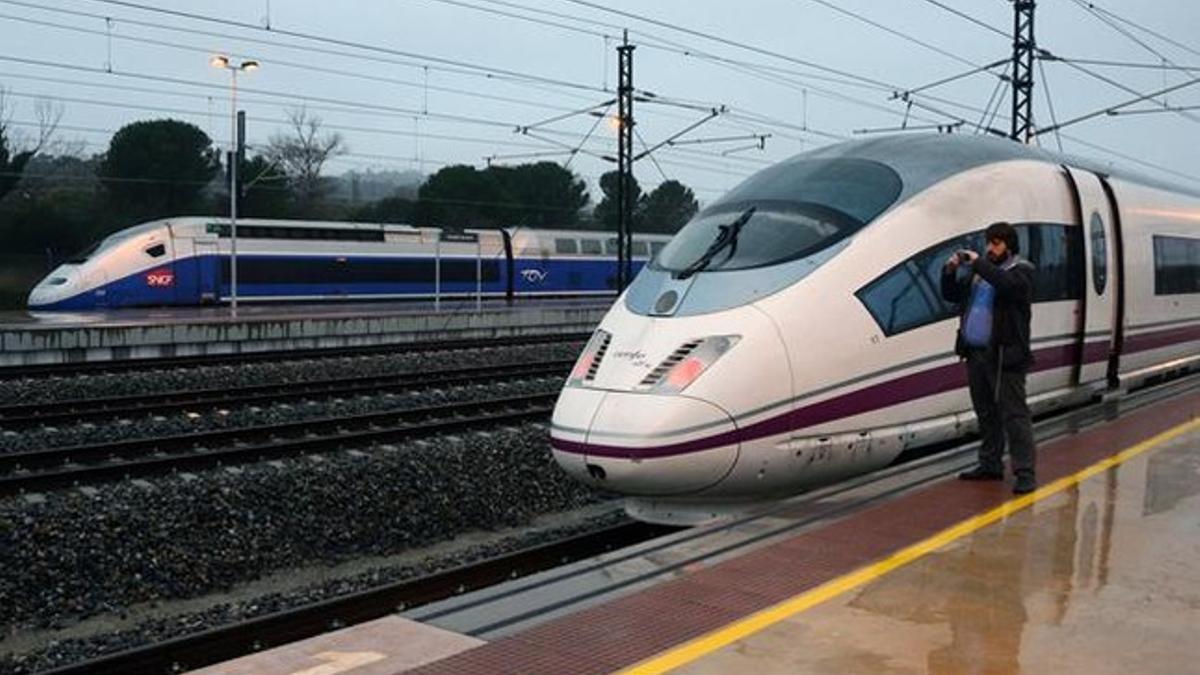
(1005, 233)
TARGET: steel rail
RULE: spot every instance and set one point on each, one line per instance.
(227, 642)
(25, 415)
(57, 467)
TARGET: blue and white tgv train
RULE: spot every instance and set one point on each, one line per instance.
(186, 261)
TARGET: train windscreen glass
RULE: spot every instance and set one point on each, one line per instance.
(800, 208)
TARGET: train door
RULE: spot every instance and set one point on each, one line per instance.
(204, 262)
(1098, 331)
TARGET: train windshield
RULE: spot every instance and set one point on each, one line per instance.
(82, 256)
(799, 208)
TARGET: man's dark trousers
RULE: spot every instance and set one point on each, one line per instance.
(1002, 412)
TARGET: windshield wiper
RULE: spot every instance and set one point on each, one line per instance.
(727, 236)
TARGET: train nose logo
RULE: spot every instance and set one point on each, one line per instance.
(533, 276)
(160, 278)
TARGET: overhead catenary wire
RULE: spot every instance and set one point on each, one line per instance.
(1157, 34)
(731, 117)
(351, 43)
(968, 17)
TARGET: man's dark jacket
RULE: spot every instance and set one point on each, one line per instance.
(1010, 309)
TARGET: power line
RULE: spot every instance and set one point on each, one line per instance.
(302, 66)
(1093, 6)
(719, 39)
(350, 43)
(1126, 64)
(306, 67)
(891, 31)
(970, 18)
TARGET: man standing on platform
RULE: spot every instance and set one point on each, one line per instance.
(993, 338)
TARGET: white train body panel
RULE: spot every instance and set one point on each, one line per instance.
(816, 389)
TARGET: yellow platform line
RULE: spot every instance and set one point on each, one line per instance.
(706, 644)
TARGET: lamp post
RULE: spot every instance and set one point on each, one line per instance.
(249, 66)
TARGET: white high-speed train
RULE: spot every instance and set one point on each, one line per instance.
(792, 333)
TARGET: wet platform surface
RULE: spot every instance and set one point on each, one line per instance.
(1097, 571)
(1103, 577)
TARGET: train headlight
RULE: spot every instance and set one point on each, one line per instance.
(589, 361)
(688, 363)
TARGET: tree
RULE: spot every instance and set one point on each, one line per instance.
(544, 194)
(157, 168)
(606, 210)
(394, 209)
(461, 196)
(12, 166)
(667, 208)
(301, 154)
(264, 189)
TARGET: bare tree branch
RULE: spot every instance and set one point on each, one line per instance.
(302, 152)
(48, 113)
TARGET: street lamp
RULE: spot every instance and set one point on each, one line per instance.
(224, 62)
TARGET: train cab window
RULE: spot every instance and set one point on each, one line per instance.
(1176, 265)
(157, 251)
(566, 246)
(784, 213)
(1099, 254)
(590, 246)
(641, 249)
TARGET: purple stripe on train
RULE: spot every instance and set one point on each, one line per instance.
(875, 397)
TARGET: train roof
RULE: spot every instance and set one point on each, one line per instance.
(921, 160)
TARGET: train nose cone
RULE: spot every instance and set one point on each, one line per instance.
(643, 444)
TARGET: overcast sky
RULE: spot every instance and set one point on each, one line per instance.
(378, 99)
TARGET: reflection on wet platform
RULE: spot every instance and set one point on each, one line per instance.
(1101, 577)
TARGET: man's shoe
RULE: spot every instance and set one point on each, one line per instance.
(1024, 485)
(979, 473)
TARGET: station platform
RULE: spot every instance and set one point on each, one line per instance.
(1097, 571)
(72, 337)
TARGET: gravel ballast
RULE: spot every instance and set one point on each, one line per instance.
(156, 426)
(60, 652)
(62, 388)
(82, 552)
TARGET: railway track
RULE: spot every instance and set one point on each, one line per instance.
(37, 470)
(220, 644)
(226, 642)
(423, 346)
(23, 416)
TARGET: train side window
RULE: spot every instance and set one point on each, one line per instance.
(909, 295)
(1057, 253)
(898, 301)
(1176, 265)
(590, 246)
(610, 246)
(656, 246)
(1099, 254)
(641, 249)
(567, 246)
(157, 251)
